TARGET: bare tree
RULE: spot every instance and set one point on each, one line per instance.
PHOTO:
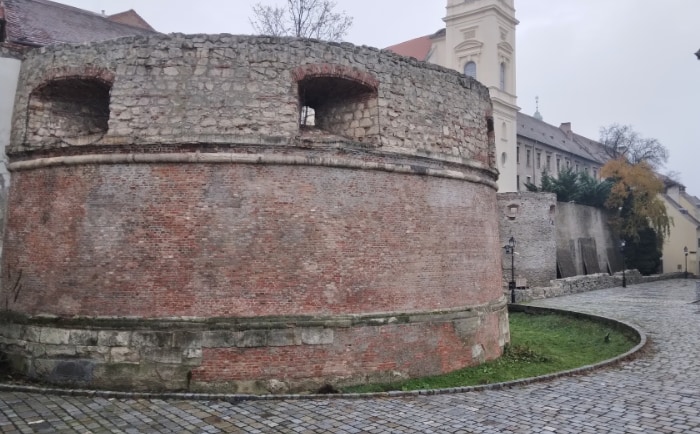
(623, 141)
(303, 19)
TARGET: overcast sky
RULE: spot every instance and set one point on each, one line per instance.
(591, 62)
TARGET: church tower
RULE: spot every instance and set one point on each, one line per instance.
(479, 41)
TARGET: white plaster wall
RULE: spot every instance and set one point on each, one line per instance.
(9, 74)
(493, 24)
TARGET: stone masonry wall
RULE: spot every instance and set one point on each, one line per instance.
(530, 219)
(239, 89)
(591, 282)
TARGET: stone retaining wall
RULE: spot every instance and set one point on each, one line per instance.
(591, 282)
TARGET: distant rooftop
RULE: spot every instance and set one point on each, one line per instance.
(558, 137)
(418, 48)
(43, 22)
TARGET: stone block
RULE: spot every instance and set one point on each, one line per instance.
(187, 339)
(283, 338)
(54, 336)
(59, 350)
(12, 331)
(466, 328)
(113, 338)
(162, 355)
(124, 355)
(317, 336)
(221, 339)
(83, 337)
(253, 338)
(152, 339)
(32, 334)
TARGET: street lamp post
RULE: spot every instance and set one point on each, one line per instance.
(510, 250)
(624, 264)
(685, 251)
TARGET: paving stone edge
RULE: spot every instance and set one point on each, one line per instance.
(634, 352)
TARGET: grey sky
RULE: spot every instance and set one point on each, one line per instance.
(591, 62)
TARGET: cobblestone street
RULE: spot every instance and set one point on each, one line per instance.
(658, 392)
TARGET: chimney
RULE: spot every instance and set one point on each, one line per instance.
(566, 127)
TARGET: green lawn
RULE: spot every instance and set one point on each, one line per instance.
(540, 344)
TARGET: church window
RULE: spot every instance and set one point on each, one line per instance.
(502, 82)
(470, 69)
(527, 162)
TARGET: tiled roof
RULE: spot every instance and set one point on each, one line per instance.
(555, 137)
(43, 22)
(418, 47)
(131, 18)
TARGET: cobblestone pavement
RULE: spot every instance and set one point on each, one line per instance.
(659, 392)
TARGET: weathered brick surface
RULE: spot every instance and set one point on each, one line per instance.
(202, 197)
(220, 240)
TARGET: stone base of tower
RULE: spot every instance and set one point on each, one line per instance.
(279, 355)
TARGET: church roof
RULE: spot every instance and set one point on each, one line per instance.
(44, 22)
(555, 137)
(418, 47)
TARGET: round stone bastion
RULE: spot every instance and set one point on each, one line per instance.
(241, 214)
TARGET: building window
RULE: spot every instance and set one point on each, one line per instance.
(502, 81)
(529, 180)
(576, 167)
(558, 165)
(517, 155)
(527, 160)
(470, 69)
(549, 163)
(539, 160)
(595, 173)
(568, 164)
(517, 182)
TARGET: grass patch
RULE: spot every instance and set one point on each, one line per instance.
(540, 344)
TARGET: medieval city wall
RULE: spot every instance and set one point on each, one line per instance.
(581, 227)
(170, 217)
(530, 218)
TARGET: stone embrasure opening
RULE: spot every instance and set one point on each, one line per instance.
(338, 106)
(69, 108)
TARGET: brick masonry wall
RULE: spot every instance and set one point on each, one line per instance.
(205, 202)
(190, 240)
(530, 218)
